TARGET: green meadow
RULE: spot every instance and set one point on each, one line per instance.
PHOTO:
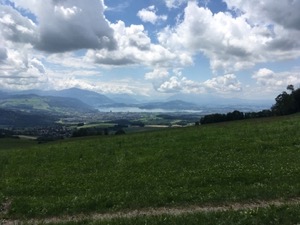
(208, 165)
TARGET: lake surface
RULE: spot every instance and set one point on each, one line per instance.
(138, 110)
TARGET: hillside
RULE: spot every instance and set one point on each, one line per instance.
(215, 165)
(88, 97)
(49, 104)
(15, 118)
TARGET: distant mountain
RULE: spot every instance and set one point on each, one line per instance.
(123, 98)
(3, 94)
(194, 101)
(50, 104)
(212, 100)
(89, 97)
(170, 105)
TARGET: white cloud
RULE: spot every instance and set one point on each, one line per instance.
(18, 68)
(119, 86)
(14, 63)
(16, 28)
(135, 47)
(284, 13)
(224, 84)
(260, 31)
(149, 15)
(62, 25)
(21, 73)
(61, 22)
(174, 3)
(230, 43)
(166, 81)
(37, 64)
(174, 82)
(118, 8)
(68, 13)
(157, 74)
(272, 81)
(69, 60)
(22, 83)
(28, 5)
(3, 54)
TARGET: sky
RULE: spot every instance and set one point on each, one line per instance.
(247, 49)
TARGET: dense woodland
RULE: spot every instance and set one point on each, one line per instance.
(286, 103)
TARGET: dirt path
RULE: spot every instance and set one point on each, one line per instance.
(156, 212)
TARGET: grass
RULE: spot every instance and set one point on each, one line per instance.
(33, 102)
(15, 143)
(207, 165)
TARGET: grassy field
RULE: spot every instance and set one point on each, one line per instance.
(217, 164)
(32, 102)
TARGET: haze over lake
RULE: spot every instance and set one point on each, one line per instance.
(139, 110)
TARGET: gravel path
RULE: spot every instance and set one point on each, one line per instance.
(156, 212)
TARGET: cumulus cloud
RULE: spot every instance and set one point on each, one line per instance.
(21, 83)
(166, 81)
(157, 74)
(73, 24)
(15, 27)
(15, 62)
(231, 43)
(62, 25)
(174, 3)
(20, 73)
(263, 75)
(224, 84)
(259, 31)
(284, 13)
(228, 42)
(149, 15)
(276, 81)
(135, 47)
(173, 82)
(3, 54)
(37, 64)
(119, 86)
(18, 69)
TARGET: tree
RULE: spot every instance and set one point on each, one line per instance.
(235, 115)
(120, 132)
(287, 103)
(296, 95)
(290, 87)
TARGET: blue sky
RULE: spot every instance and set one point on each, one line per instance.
(157, 48)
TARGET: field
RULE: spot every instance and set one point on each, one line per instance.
(215, 165)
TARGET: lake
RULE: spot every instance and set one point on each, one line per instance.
(138, 110)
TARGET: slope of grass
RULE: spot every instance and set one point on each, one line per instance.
(46, 104)
(14, 144)
(33, 102)
(206, 165)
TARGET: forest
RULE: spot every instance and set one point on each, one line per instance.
(286, 104)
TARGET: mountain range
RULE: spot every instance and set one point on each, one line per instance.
(78, 100)
(50, 104)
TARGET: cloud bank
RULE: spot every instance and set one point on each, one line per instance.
(41, 41)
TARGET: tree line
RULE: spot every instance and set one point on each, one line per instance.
(286, 103)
